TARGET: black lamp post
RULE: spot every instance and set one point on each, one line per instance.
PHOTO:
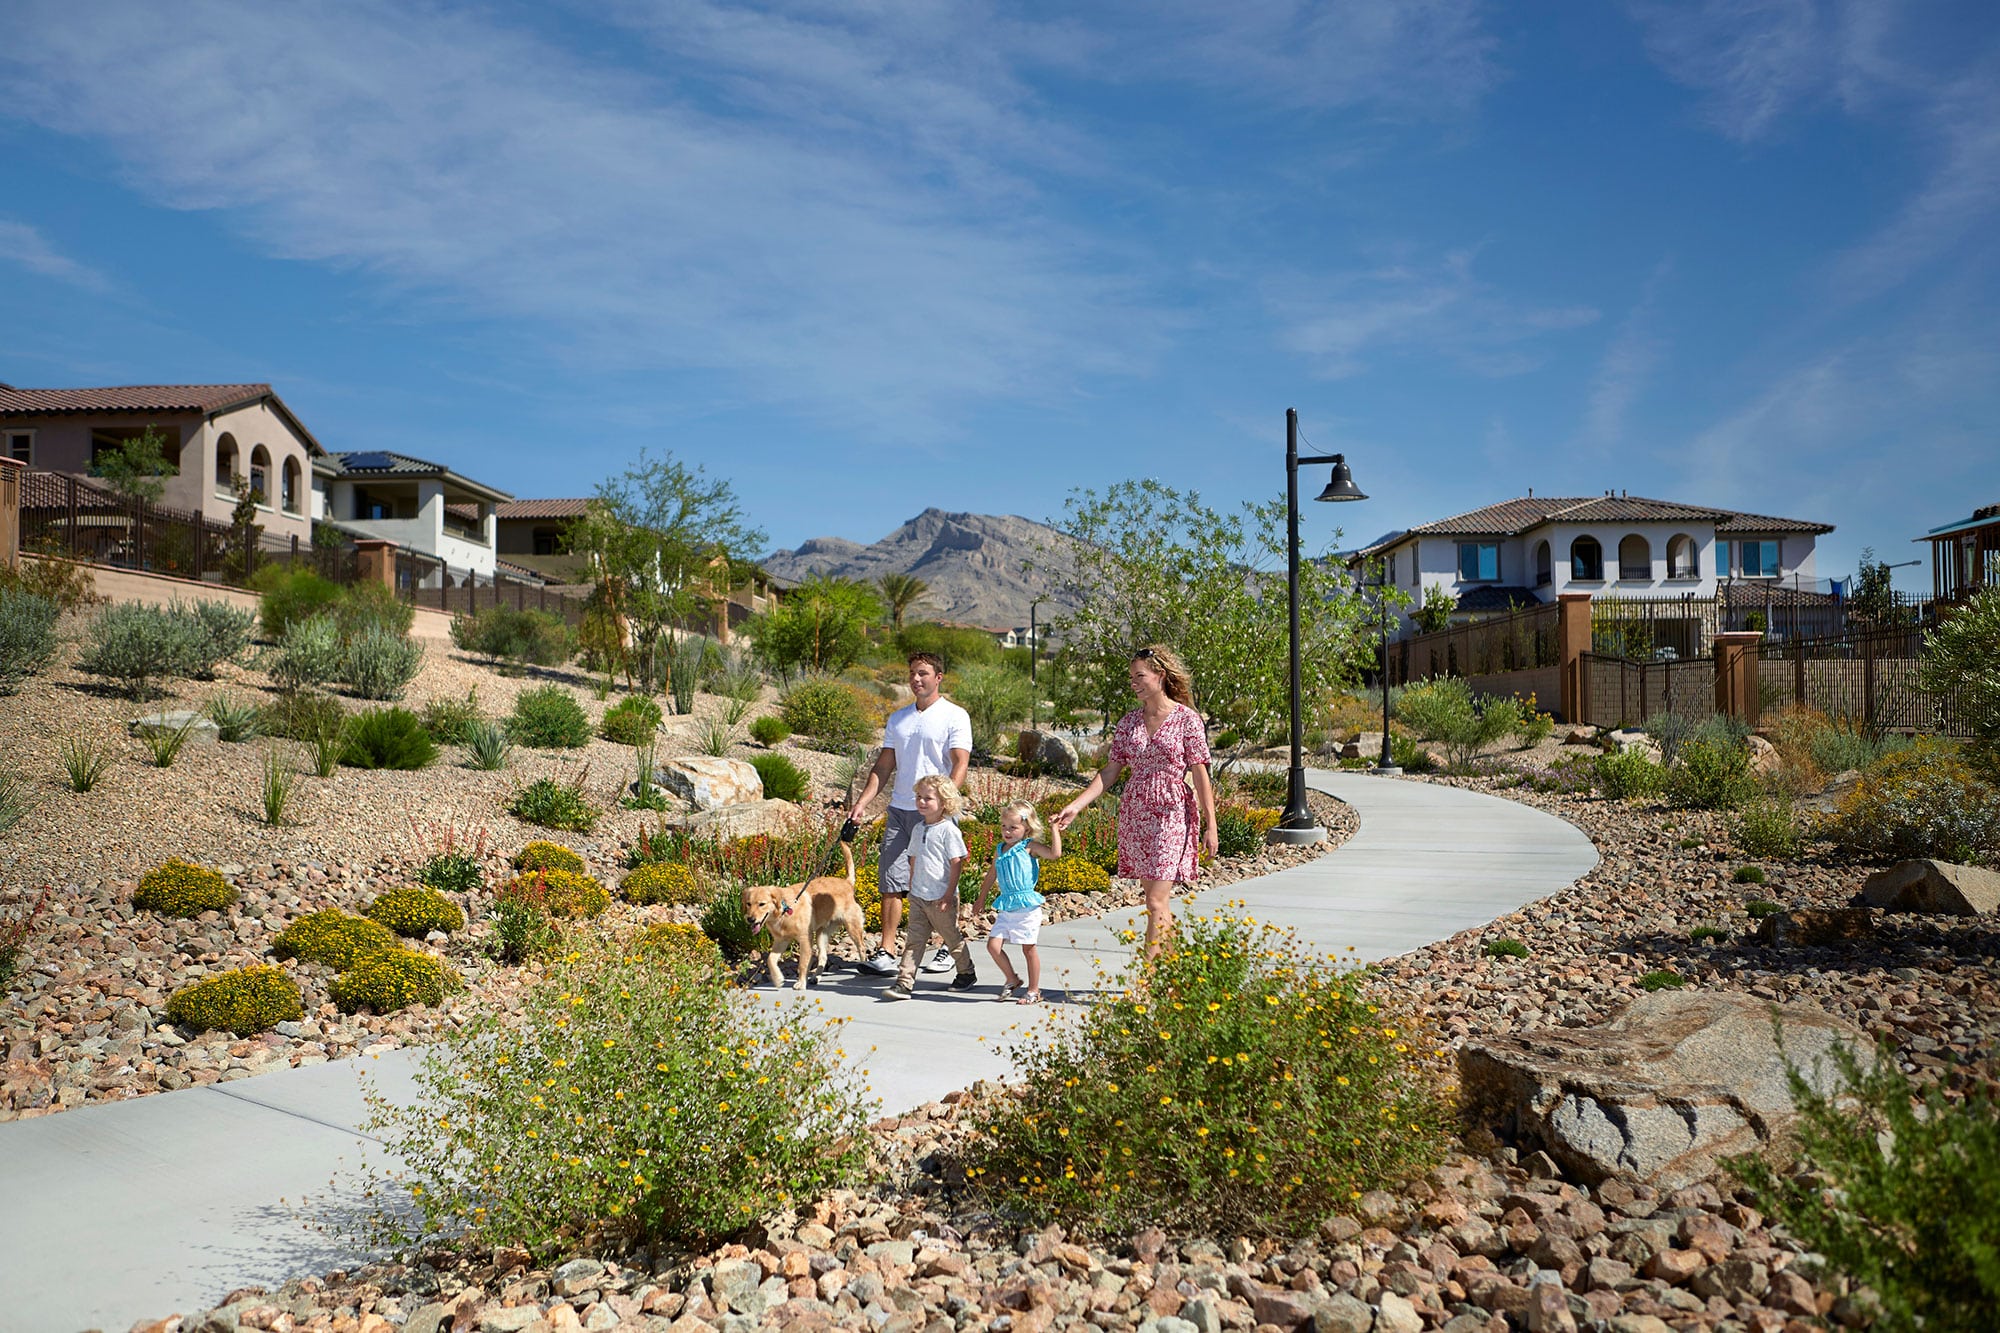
(1386, 764)
(1034, 652)
(1297, 825)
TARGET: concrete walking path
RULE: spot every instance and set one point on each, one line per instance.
(128, 1210)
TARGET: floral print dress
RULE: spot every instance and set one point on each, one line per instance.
(1159, 829)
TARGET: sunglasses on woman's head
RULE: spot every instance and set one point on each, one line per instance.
(1143, 655)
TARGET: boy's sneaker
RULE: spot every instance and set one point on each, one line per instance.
(939, 961)
(882, 963)
(897, 992)
(965, 981)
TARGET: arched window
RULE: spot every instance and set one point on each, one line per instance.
(225, 463)
(260, 473)
(1681, 562)
(1545, 569)
(290, 488)
(1635, 559)
(1586, 560)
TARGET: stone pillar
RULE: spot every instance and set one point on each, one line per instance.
(376, 561)
(1736, 674)
(1572, 642)
(10, 512)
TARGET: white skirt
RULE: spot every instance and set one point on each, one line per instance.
(1022, 927)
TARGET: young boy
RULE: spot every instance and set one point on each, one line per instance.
(937, 858)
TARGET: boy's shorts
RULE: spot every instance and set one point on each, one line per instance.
(898, 831)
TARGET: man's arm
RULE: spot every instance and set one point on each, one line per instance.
(881, 771)
(960, 761)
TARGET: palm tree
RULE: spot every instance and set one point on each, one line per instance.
(901, 592)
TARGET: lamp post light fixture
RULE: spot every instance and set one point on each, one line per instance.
(1296, 825)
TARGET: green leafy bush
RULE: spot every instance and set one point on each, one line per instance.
(566, 894)
(556, 805)
(548, 717)
(389, 980)
(680, 942)
(1236, 834)
(665, 882)
(1410, 756)
(247, 1001)
(388, 738)
(67, 583)
(416, 911)
(1250, 1088)
(451, 721)
(783, 779)
(1703, 934)
(1628, 774)
(488, 747)
(1749, 875)
(181, 888)
(1663, 979)
(372, 608)
(633, 1102)
(1443, 709)
(993, 697)
(1071, 873)
(221, 633)
(308, 654)
(1898, 1187)
(137, 645)
(27, 636)
(332, 938)
(1759, 908)
(452, 872)
(378, 663)
(521, 637)
(633, 720)
(1925, 801)
(1094, 835)
(957, 646)
(302, 716)
(1768, 829)
(235, 719)
(1958, 663)
(1535, 727)
(825, 709)
(288, 595)
(1506, 948)
(1841, 746)
(769, 729)
(522, 926)
(723, 921)
(543, 855)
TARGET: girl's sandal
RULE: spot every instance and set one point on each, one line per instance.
(1030, 997)
(1007, 992)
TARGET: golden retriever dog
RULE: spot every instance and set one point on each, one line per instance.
(804, 916)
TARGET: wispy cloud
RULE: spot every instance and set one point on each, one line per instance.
(1634, 353)
(23, 245)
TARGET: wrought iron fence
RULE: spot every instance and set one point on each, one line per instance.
(1871, 678)
(1624, 692)
(1520, 641)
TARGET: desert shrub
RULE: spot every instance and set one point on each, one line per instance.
(1628, 774)
(1767, 829)
(137, 645)
(235, 719)
(993, 697)
(1571, 775)
(1759, 908)
(27, 636)
(450, 721)
(769, 729)
(1670, 731)
(677, 941)
(1236, 833)
(181, 888)
(1071, 873)
(307, 655)
(1748, 875)
(1535, 726)
(713, 736)
(544, 855)
(416, 911)
(378, 663)
(566, 893)
(1958, 662)
(84, 760)
(301, 716)
(1506, 947)
(275, 789)
(1897, 1186)
(1841, 746)
(1410, 756)
(521, 637)
(388, 738)
(1249, 1089)
(1924, 801)
(221, 633)
(452, 871)
(1435, 706)
(1703, 934)
(288, 595)
(391, 979)
(247, 1001)
(67, 583)
(723, 921)
(556, 805)
(633, 720)
(332, 938)
(959, 648)
(367, 608)
(825, 709)
(488, 747)
(548, 717)
(522, 927)
(631, 1102)
(783, 779)
(1662, 979)
(688, 661)
(665, 882)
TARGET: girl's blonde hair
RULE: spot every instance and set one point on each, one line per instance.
(1025, 812)
(947, 792)
(1174, 676)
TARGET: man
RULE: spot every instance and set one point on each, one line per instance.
(930, 734)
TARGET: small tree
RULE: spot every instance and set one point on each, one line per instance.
(1962, 661)
(1435, 613)
(136, 467)
(900, 592)
(1873, 601)
(821, 625)
(244, 529)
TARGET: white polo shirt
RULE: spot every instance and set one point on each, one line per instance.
(922, 740)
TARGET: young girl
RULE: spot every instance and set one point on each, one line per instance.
(1014, 873)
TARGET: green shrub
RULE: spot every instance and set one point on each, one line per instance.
(1670, 731)
(544, 855)
(1897, 1186)
(1663, 979)
(301, 716)
(221, 633)
(549, 717)
(633, 720)
(825, 709)
(783, 779)
(451, 721)
(1236, 835)
(1767, 829)
(1958, 664)
(416, 912)
(290, 595)
(388, 738)
(1250, 1089)
(524, 638)
(1702, 934)
(332, 938)
(1925, 801)
(665, 882)
(137, 645)
(1410, 756)
(84, 760)
(689, 659)
(1071, 873)
(1628, 774)
(522, 928)
(1535, 727)
(993, 697)
(391, 979)
(957, 647)
(452, 872)
(1506, 947)
(1840, 746)
(307, 656)
(769, 729)
(67, 583)
(165, 743)
(488, 747)
(632, 1102)
(556, 805)
(566, 894)
(275, 790)
(723, 921)
(181, 888)
(378, 663)
(247, 1001)
(27, 636)
(1433, 707)
(1759, 908)
(1749, 875)
(372, 608)
(677, 941)
(235, 719)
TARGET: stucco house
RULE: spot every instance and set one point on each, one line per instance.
(1523, 551)
(412, 502)
(215, 432)
(1965, 555)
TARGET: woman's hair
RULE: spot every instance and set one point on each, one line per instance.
(1025, 812)
(947, 792)
(1173, 672)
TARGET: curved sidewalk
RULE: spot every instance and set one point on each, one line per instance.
(166, 1203)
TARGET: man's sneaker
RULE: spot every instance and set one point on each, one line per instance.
(897, 992)
(965, 981)
(882, 963)
(939, 961)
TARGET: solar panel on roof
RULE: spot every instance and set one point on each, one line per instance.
(370, 462)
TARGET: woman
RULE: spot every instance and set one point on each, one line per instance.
(1160, 821)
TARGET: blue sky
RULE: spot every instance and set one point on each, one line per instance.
(871, 256)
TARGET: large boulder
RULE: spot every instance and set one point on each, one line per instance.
(1941, 888)
(708, 783)
(745, 819)
(1051, 752)
(1677, 1082)
(201, 730)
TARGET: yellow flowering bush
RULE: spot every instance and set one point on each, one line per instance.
(632, 1103)
(1924, 801)
(1251, 1088)
(566, 894)
(544, 855)
(181, 888)
(247, 1001)
(333, 938)
(1073, 874)
(667, 882)
(868, 891)
(416, 911)
(391, 979)
(681, 940)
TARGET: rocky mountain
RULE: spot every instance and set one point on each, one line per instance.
(971, 562)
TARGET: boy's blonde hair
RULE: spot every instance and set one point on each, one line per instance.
(1025, 811)
(947, 792)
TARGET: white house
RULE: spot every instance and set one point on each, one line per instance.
(416, 504)
(1528, 550)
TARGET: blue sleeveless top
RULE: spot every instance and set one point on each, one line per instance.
(1015, 873)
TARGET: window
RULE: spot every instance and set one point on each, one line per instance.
(1681, 562)
(366, 507)
(1586, 560)
(21, 445)
(1478, 562)
(1392, 568)
(545, 541)
(1757, 559)
(260, 474)
(289, 487)
(225, 464)
(1545, 571)
(1635, 559)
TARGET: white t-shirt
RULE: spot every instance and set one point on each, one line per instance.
(934, 847)
(922, 740)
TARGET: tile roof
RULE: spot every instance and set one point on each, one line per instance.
(543, 509)
(1491, 597)
(132, 398)
(1510, 518)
